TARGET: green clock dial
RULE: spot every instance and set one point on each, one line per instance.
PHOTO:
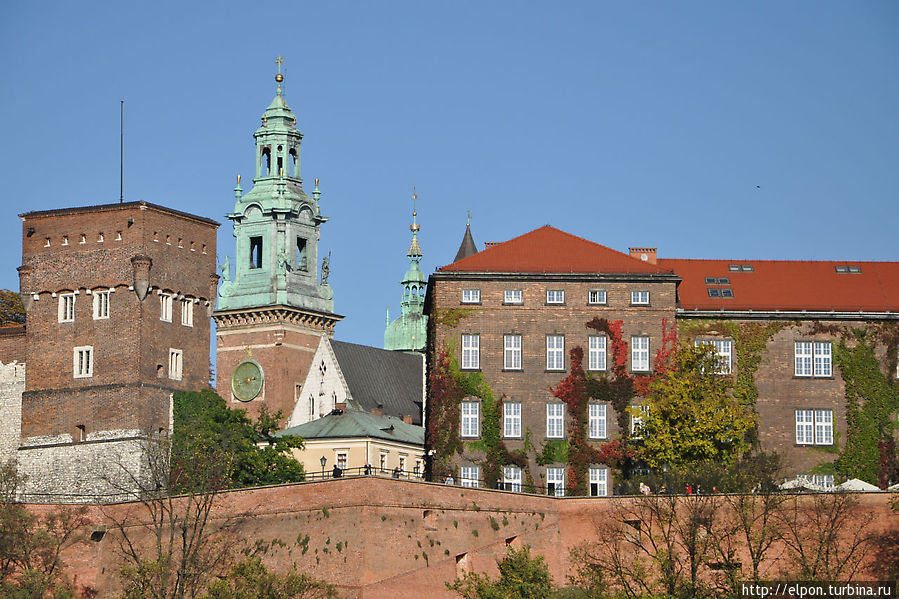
(246, 382)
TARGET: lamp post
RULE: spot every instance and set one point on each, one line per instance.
(323, 461)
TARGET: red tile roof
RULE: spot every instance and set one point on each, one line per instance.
(549, 250)
(789, 285)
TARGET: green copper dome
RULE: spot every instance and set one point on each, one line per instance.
(409, 331)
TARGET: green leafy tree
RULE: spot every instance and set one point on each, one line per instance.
(691, 416)
(249, 450)
(250, 579)
(520, 577)
(11, 309)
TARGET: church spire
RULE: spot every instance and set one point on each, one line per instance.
(467, 248)
(407, 333)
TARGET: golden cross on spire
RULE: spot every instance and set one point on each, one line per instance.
(469, 218)
(279, 77)
(279, 61)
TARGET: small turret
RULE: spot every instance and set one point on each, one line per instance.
(408, 332)
(467, 248)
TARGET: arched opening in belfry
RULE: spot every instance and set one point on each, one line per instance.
(281, 172)
(294, 164)
(255, 252)
(266, 161)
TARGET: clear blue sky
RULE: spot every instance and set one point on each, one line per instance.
(708, 129)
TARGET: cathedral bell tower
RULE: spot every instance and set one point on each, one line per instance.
(273, 304)
(409, 331)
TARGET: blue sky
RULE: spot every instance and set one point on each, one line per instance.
(707, 129)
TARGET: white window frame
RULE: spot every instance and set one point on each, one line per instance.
(822, 480)
(511, 352)
(101, 305)
(725, 350)
(470, 426)
(555, 296)
(555, 420)
(813, 359)
(637, 421)
(165, 307)
(471, 296)
(470, 476)
(187, 312)
(471, 352)
(555, 352)
(556, 477)
(599, 476)
(814, 427)
(513, 296)
(512, 478)
(83, 362)
(176, 364)
(597, 421)
(341, 456)
(512, 420)
(66, 311)
(597, 297)
(639, 298)
(597, 353)
(640, 353)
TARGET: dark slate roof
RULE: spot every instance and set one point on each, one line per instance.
(353, 424)
(378, 376)
(468, 248)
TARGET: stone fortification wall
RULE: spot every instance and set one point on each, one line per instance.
(12, 384)
(387, 538)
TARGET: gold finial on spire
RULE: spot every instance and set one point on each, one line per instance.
(316, 181)
(279, 77)
(414, 226)
(238, 179)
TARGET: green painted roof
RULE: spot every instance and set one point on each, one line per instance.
(356, 424)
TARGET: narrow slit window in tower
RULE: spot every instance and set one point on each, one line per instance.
(255, 252)
(294, 167)
(266, 161)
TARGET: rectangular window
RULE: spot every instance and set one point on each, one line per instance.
(512, 352)
(596, 297)
(469, 476)
(66, 307)
(555, 296)
(637, 420)
(512, 296)
(599, 482)
(596, 359)
(175, 364)
(640, 354)
(165, 307)
(814, 427)
(822, 480)
(101, 305)
(416, 470)
(555, 482)
(471, 296)
(471, 352)
(597, 421)
(382, 462)
(813, 359)
(512, 420)
(302, 258)
(512, 478)
(724, 349)
(471, 419)
(255, 252)
(341, 460)
(187, 312)
(640, 298)
(402, 465)
(555, 352)
(555, 416)
(83, 362)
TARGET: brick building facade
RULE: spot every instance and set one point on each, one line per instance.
(513, 311)
(117, 298)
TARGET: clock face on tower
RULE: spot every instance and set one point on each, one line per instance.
(246, 382)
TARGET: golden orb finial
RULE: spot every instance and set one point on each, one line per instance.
(279, 77)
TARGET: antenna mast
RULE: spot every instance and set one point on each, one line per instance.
(122, 152)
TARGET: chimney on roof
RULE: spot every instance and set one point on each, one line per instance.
(407, 418)
(379, 411)
(490, 244)
(644, 254)
(340, 406)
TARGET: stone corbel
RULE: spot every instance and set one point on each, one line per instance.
(25, 283)
(140, 269)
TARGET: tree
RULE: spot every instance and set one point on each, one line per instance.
(250, 579)
(690, 416)
(11, 309)
(204, 424)
(520, 577)
(31, 546)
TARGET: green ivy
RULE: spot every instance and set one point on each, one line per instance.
(554, 451)
(450, 317)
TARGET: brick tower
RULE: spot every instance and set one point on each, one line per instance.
(118, 299)
(273, 307)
